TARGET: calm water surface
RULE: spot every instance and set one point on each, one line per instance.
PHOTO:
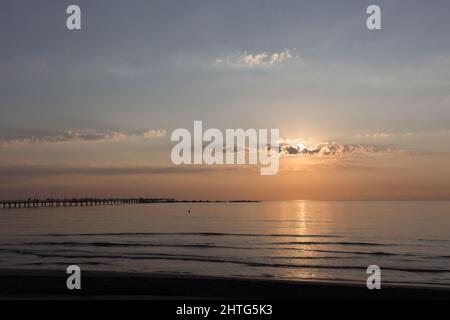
(410, 241)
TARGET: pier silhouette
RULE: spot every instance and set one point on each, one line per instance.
(89, 202)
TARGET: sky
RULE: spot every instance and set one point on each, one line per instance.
(91, 111)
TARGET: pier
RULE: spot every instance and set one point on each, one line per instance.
(76, 202)
(89, 202)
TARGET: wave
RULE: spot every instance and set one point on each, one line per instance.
(434, 240)
(220, 260)
(203, 234)
(343, 243)
(351, 253)
(139, 254)
(375, 253)
(62, 263)
(308, 257)
(116, 244)
(199, 246)
(184, 245)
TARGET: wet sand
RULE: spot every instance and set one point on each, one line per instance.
(42, 284)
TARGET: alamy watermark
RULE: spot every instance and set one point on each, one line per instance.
(374, 280)
(373, 22)
(73, 21)
(235, 146)
(74, 280)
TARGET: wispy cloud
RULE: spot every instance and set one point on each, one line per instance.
(383, 135)
(252, 60)
(328, 166)
(418, 133)
(78, 137)
(154, 133)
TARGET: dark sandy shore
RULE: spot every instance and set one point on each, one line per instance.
(38, 284)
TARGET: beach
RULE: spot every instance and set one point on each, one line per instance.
(41, 284)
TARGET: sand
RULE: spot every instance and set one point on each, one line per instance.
(42, 284)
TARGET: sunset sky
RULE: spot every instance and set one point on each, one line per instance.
(90, 112)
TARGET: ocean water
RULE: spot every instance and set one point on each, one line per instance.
(307, 240)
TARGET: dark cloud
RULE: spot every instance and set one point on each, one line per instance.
(70, 136)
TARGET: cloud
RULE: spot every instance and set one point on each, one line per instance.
(295, 147)
(383, 135)
(154, 133)
(418, 133)
(263, 59)
(375, 135)
(78, 137)
(328, 166)
(327, 149)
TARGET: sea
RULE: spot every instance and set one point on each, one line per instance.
(333, 241)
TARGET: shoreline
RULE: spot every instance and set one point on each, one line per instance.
(110, 285)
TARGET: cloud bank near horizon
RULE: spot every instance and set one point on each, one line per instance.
(78, 137)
